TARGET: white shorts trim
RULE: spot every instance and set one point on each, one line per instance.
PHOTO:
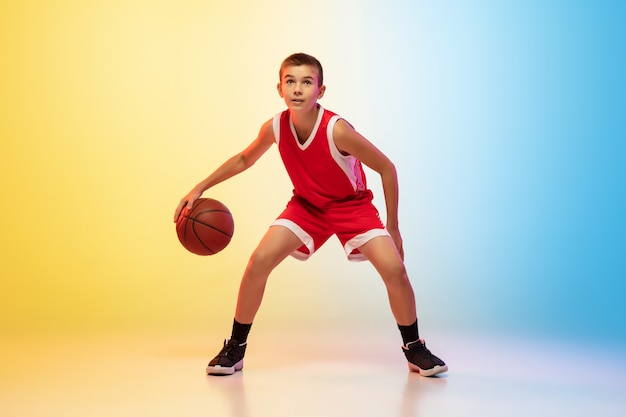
(361, 240)
(304, 237)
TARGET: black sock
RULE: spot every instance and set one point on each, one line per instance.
(240, 331)
(409, 333)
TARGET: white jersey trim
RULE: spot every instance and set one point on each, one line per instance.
(302, 146)
(276, 126)
(348, 163)
(309, 140)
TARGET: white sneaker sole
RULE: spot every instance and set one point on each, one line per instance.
(224, 370)
(428, 372)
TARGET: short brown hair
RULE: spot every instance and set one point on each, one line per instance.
(300, 58)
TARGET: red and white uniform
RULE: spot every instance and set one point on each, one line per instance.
(330, 193)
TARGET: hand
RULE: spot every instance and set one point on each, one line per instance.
(397, 239)
(186, 203)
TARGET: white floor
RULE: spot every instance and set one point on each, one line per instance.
(307, 376)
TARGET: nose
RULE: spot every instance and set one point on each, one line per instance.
(297, 89)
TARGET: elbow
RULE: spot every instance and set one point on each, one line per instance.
(244, 162)
(389, 174)
(390, 170)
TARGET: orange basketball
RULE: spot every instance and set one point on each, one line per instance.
(207, 228)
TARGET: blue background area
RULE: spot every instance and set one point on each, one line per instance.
(512, 167)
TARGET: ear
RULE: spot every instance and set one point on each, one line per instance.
(322, 91)
(280, 91)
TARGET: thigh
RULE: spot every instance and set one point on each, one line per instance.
(383, 255)
(277, 243)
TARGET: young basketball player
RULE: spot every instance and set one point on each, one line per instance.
(322, 154)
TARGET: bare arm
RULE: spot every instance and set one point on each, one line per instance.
(233, 166)
(352, 142)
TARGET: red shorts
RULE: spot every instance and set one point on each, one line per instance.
(355, 222)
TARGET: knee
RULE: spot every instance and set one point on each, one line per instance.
(261, 262)
(395, 275)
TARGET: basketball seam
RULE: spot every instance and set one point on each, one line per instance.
(209, 226)
(193, 229)
(187, 218)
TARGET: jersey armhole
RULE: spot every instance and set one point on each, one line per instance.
(276, 127)
(331, 140)
(348, 164)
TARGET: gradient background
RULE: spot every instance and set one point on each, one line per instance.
(505, 120)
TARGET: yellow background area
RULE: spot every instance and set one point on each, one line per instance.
(111, 112)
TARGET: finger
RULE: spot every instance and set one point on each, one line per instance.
(179, 210)
(400, 250)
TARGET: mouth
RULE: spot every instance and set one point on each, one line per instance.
(297, 100)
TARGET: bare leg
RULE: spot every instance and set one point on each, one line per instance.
(382, 253)
(274, 247)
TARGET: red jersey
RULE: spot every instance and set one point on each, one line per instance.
(319, 172)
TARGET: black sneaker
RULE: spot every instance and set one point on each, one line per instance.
(421, 360)
(229, 360)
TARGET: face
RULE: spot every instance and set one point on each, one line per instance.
(299, 87)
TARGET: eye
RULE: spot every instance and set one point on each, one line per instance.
(289, 82)
(308, 82)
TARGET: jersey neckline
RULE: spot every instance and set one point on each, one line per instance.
(308, 141)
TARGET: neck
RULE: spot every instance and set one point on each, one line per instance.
(305, 117)
(304, 121)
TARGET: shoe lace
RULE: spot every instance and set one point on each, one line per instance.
(420, 349)
(229, 347)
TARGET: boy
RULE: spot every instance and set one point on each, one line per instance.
(322, 154)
